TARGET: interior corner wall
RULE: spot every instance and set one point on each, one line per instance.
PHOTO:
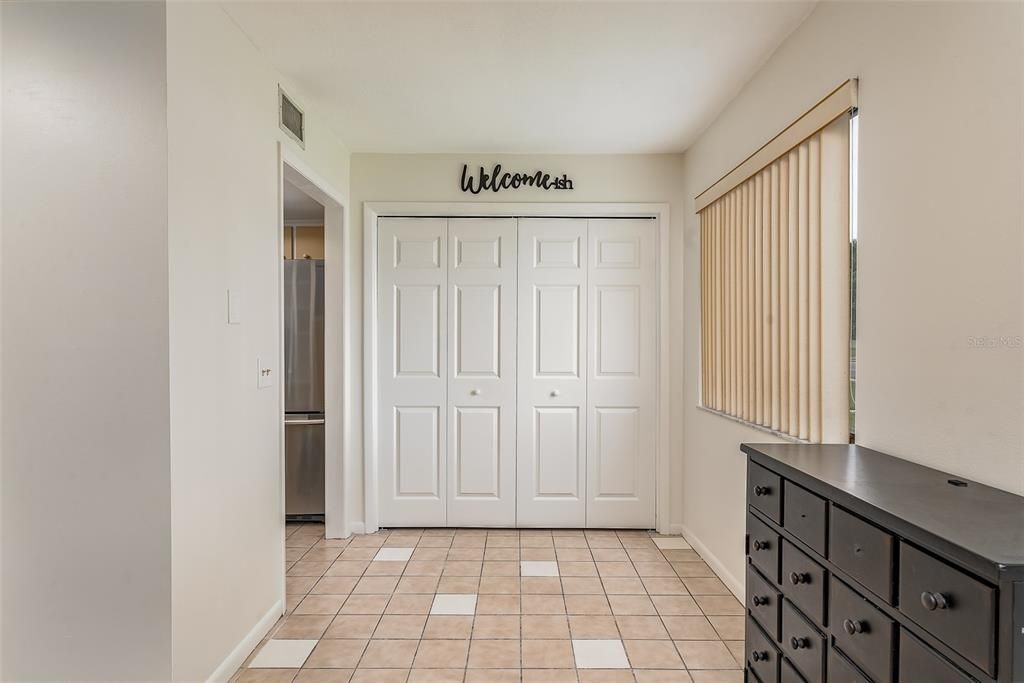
(224, 233)
(85, 443)
(596, 178)
(940, 368)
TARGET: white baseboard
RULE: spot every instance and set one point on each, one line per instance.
(227, 668)
(357, 528)
(731, 582)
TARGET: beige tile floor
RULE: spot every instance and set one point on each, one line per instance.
(483, 606)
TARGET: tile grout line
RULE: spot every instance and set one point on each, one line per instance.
(454, 544)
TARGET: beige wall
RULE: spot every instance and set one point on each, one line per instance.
(86, 589)
(941, 243)
(225, 233)
(435, 178)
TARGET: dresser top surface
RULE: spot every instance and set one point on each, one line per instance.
(983, 520)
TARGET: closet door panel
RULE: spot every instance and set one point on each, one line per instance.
(412, 319)
(620, 373)
(481, 411)
(552, 386)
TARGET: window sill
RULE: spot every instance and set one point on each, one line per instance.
(753, 425)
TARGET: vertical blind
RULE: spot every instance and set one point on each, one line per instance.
(775, 286)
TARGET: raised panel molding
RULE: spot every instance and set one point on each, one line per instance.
(618, 254)
(478, 452)
(477, 253)
(477, 345)
(556, 253)
(556, 344)
(417, 315)
(557, 449)
(417, 451)
(618, 439)
(417, 254)
(618, 330)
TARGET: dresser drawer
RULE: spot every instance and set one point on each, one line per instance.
(841, 671)
(804, 582)
(863, 551)
(806, 516)
(764, 602)
(763, 547)
(863, 633)
(802, 644)
(764, 491)
(790, 674)
(920, 663)
(762, 657)
(953, 606)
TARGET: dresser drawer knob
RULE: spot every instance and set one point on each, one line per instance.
(853, 627)
(796, 578)
(759, 656)
(762, 490)
(934, 601)
(761, 601)
(799, 643)
(761, 545)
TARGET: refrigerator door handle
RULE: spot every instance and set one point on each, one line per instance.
(289, 423)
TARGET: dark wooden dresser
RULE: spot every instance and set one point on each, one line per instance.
(864, 568)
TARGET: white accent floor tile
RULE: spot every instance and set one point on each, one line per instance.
(537, 568)
(393, 555)
(463, 603)
(675, 543)
(282, 654)
(600, 654)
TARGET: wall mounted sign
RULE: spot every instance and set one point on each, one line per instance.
(496, 180)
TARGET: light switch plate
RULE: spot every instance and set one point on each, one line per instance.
(234, 308)
(264, 375)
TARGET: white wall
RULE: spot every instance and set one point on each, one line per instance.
(225, 233)
(86, 474)
(941, 244)
(435, 178)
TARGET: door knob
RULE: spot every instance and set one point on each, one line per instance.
(474, 392)
(554, 393)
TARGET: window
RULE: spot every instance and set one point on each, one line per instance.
(775, 280)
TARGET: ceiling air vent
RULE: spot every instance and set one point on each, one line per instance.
(291, 119)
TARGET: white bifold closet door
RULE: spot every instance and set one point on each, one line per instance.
(447, 381)
(481, 371)
(516, 372)
(621, 384)
(551, 452)
(412, 365)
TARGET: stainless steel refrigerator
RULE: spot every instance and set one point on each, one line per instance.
(304, 389)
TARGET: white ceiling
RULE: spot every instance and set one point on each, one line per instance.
(511, 77)
(299, 206)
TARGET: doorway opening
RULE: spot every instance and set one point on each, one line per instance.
(303, 370)
(314, 348)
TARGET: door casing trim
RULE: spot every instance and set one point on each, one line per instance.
(372, 211)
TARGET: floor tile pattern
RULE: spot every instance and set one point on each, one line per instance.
(490, 606)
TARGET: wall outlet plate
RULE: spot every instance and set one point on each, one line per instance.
(264, 375)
